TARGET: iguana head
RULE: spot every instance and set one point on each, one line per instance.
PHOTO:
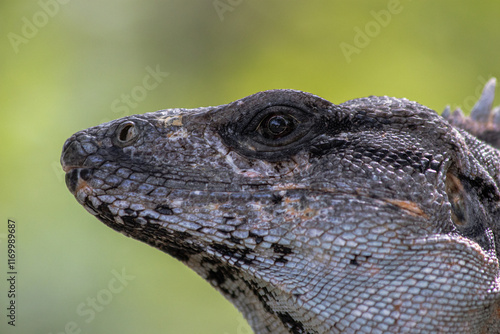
(374, 215)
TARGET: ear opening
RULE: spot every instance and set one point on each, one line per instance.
(456, 196)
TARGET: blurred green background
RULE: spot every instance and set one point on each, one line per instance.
(67, 65)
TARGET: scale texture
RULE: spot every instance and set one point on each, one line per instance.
(376, 215)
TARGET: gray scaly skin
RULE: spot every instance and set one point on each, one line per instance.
(372, 216)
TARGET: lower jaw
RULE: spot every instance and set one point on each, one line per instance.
(76, 178)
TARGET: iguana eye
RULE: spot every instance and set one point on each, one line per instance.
(276, 126)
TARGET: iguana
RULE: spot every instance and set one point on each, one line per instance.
(376, 215)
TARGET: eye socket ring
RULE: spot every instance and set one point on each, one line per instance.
(126, 133)
(277, 126)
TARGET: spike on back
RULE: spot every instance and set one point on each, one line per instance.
(484, 121)
(481, 111)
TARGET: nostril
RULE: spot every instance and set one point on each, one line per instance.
(126, 133)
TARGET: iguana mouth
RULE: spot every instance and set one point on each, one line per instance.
(76, 178)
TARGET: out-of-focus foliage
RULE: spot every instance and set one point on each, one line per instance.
(67, 65)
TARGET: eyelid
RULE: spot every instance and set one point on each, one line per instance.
(242, 134)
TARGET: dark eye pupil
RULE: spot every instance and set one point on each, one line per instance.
(278, 125)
